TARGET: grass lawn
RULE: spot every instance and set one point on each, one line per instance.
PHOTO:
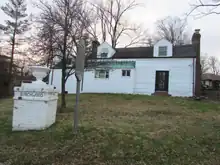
(119, 129)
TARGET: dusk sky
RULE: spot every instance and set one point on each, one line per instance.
(152, 10)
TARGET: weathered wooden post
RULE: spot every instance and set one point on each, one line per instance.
(80, 64)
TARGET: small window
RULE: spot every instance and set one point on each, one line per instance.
(126, 73)
(163, 51)
(6, 84)
(68, 61)
(6, 69)
(104, 53)
(103, 74)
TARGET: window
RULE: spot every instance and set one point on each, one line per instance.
(68, 61)
(126, 73)
(104, 53)
(162, 51)
(103, 74)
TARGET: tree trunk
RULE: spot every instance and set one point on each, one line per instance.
(10, 80)
(63, 82)
(63, 92)
(63, 98)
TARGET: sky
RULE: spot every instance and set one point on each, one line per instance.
(152, 10)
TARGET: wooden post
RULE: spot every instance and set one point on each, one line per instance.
(80, 64)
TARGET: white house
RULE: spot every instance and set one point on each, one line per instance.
(161, 69)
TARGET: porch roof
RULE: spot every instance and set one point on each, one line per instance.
(209, 76)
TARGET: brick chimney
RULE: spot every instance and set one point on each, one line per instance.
(95, 45)
(196, 42)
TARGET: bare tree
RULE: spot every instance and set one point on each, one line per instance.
(64, 22)
(70, 20)
(43, 43)
(111, 14)
(16, 25)
(214, 65)
(205, 67)
(172, 29)
(204, 8)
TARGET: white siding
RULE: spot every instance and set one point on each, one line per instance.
(56, 80)
(180, 75)
(105, 45)
(163, 42)
(115, 84)
(142, 80)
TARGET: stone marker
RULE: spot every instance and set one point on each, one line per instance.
(35, 104)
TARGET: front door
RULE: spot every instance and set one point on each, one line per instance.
(162, 81)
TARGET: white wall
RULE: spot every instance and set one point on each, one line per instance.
(142, 80)
(106, 46)
(180, 75)
(115, 84)
(163, 42)
(56, 80)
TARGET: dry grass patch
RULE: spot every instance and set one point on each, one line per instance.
(119, 129)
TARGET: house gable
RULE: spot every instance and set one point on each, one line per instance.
(163, 48)
(105, 51)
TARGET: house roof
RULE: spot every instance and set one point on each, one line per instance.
(4, 57)
(181, 51)
(209, 76)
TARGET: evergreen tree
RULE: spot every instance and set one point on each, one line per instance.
(16, 25)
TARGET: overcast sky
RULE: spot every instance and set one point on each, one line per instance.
(153, 10)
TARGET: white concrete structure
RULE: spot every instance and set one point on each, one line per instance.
(162, 68)
(35, 104)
